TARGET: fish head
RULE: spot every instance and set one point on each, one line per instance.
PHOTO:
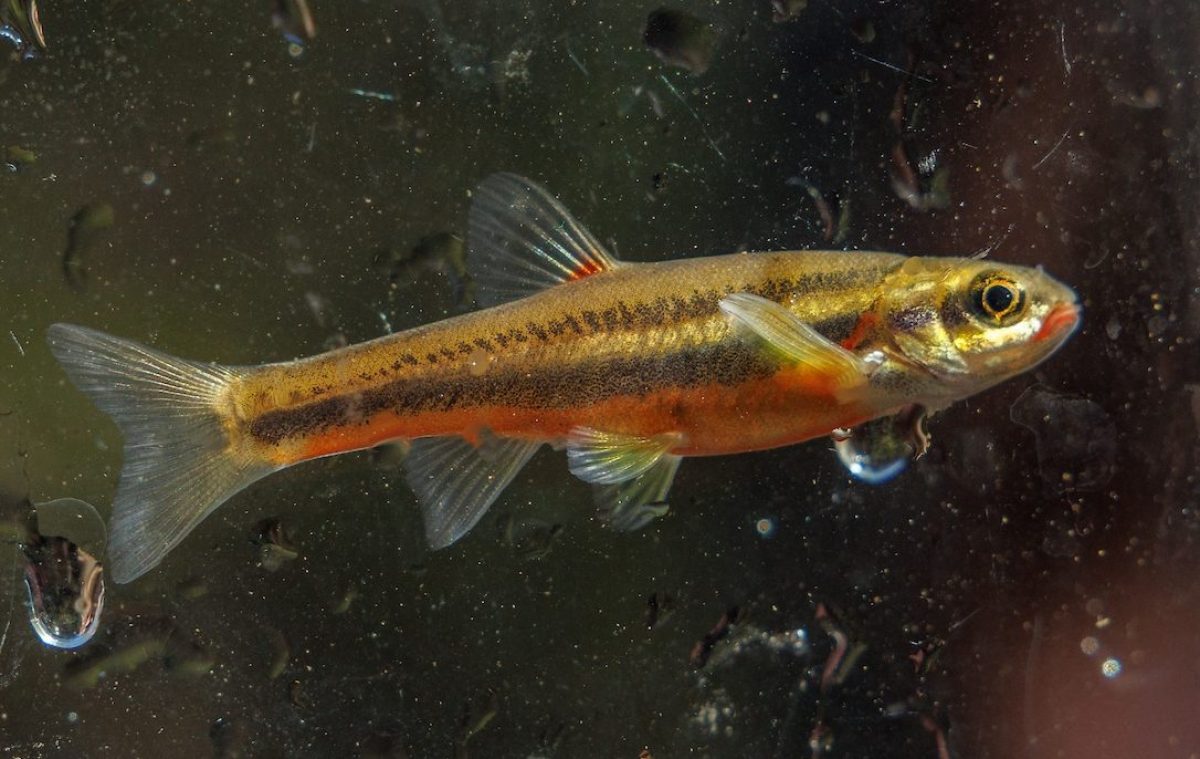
(973, 323)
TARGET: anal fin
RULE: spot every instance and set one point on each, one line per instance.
(456, 482)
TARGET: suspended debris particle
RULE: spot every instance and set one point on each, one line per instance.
(680, 39)
(660, 607)
(863, 29)
(926, 186)
(386, 97)
(319, 306)
(295, 22)
(786, 10)
(704, 647)
(83, 231)
(1075, 439)
(298, 696)
(275, 547)
(229, 738)
(529, 538)
(441, 253)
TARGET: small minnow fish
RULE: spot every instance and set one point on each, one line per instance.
(629, 367)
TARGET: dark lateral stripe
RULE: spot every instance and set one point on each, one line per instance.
(661, 312)
(579, 385)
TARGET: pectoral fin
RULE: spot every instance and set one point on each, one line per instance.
(608, 458)
(793, 341)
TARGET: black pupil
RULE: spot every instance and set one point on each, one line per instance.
(998, 298)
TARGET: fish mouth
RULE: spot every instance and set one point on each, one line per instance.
(1059, 323)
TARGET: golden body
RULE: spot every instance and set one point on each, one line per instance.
(630, 367)
(641, 350)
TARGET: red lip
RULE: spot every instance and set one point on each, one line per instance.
(1061, 318)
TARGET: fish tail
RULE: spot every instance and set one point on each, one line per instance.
(183, 454)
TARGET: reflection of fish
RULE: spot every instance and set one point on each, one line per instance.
(628, 366)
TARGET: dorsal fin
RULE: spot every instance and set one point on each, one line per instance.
(522, 240)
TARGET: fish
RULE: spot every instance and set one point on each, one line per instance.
(629, 367)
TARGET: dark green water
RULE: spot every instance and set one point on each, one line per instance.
(247, 184)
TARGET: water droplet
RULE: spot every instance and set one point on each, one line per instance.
(875, 452)
(64, 578)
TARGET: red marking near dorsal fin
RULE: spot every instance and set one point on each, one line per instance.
(859, 333)
(586, 269)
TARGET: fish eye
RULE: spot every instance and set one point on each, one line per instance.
(997, 297)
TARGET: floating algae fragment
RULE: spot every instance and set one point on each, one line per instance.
(82, 233)
(346, 600)
(17, 158)
(187, 657)
(64, 579)
(477, 715)
(282, 655)
(132, 643)
(192, 588)
(87, 673)
(216, 136)
(680, 39)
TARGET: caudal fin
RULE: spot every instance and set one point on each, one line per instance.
(180, 461)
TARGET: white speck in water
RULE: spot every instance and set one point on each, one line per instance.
(72, 717)
(1089, 645)
(149, 178)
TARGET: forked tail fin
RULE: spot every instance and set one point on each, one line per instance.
(180, 459)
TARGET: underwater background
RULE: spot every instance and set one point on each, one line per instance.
(250, 182)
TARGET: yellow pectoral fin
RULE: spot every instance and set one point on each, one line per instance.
(829, 367)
